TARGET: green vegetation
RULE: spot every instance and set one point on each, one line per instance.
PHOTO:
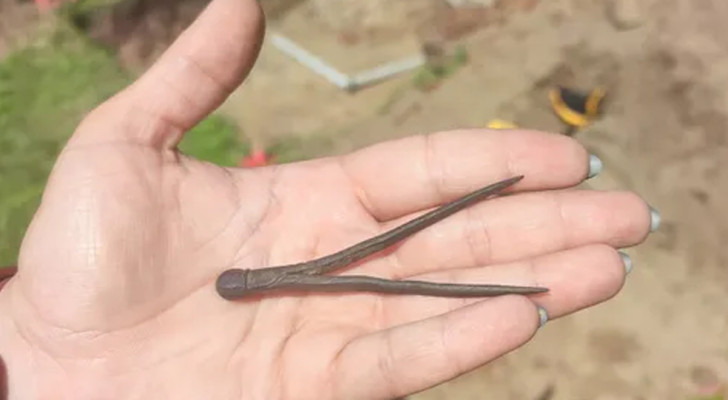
(292, 149)
(396, 94)
(430, 76)
(45, 90)
(86, 6)
(80, 12)
(216, 140)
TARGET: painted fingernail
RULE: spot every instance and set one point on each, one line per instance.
(543, 316)
(627, 261)
(595, 166)
(655, 219)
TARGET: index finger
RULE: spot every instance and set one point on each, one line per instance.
(407, 175)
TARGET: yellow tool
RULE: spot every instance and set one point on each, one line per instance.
(577, 109)
(501, 124)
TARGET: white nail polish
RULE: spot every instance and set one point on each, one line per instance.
(543, 316)
(655, 219)
(627, 261)
(595, 166)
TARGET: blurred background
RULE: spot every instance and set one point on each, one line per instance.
(336, 75)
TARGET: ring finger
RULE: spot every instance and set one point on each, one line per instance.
(576, 279)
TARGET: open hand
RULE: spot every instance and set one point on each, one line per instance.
(115, 294)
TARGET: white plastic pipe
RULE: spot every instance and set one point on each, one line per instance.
(311, 61)
(387, 70)
(341, 80)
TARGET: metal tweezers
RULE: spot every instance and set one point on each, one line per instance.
(308, 276)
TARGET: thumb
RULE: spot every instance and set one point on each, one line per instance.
(192, 78)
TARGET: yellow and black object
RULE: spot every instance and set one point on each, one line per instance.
(575, 108)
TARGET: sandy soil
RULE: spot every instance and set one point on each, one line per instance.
(664, 135)
(17, 23)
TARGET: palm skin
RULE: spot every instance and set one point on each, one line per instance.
(115, 292)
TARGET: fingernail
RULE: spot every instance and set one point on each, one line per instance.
(595, 166)
(543, 316)
(627, 261)
(655, 219)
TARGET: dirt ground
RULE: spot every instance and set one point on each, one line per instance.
(665, 336)
(16, 20)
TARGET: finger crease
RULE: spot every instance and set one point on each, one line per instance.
(359, 193)
(533, 269)
(222, 86)
(386, 362)
(157, 126)
(561, 213)
(396, 263)
(436, 181)
(456, 363)
(481, 253)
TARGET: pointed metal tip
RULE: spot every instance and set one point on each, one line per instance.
(508, 182)
(527, 289)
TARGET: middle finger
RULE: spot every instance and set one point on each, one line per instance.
(520, 226)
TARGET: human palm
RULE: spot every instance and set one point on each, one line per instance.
(115, 290)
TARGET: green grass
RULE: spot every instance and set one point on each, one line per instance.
(216, 139)
(86, 6)
(45, 90)
(428, 76)
(292, 149)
